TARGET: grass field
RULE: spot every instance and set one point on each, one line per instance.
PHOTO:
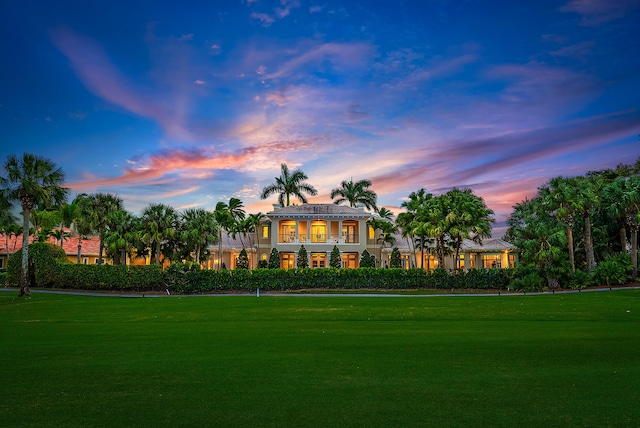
(564, 360)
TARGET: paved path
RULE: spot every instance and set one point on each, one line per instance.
(279, 294)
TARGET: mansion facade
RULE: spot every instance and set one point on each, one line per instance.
(321, 227)
(317, 227)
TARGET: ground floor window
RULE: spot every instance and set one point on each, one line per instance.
(287, 260)
(512, 260)
(491, 260)
(350, 260)
(318, 260)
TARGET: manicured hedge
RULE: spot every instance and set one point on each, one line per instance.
(187, 278)
(44, 258)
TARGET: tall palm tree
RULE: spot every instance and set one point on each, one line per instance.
(623, 196)
(226, 217)
(34, 181)
(96, 209)
(121, 236)
(355, 193)
(409, 220)
(198, 230)
(561, 197)
(385, 228)
(589, 195)
(254, 221)
(469, 218)
(289, 184)
(159, 223)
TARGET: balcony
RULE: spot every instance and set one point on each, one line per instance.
(317, 238)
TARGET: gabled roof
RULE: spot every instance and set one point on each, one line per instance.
(316, 210)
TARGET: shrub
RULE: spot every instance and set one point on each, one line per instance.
(613, 270)
(532, 281)
(367, 260)
(335, 261)
(303, 258)
(274, 259)
(243, 260)
(580, 279)
(396, 261)
(44, 258)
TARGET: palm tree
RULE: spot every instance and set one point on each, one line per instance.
(199, 230)
(355, 193)
(226, 217)
(121, 236)
(589, 193)
(254, 221)
(623, 195)
(159, 223)
(469, 218)
(383, 223)
(35, 182)
(408, 221)
(561, 196)
(289, 184)
(96, 209)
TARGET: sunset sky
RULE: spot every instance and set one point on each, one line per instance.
(191, 103)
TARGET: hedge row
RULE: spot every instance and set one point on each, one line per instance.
(190, 279)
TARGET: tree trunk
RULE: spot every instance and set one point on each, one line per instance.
(588, 244)
(623, 239)
(79, 249)
(570, 247)
(100, 246)
(24, 269)
(634, 251)
(158, 252)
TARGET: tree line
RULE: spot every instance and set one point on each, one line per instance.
(575, 225)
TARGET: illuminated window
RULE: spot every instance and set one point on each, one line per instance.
(349, 260)
(318, 260)
(491, 260)
(287, 260)
(372, 233)
(265, 231)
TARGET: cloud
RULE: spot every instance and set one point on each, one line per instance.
(170, 165)
(265, 19)
(95, 69)
(341, 55)
(598, 12)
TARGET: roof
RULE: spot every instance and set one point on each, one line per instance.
(490, 245)
(315, 210)
(90, 244)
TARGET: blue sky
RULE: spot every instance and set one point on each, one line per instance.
(191, 103)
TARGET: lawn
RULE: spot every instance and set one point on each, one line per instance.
(526, 361)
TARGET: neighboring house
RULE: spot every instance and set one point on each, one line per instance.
(87, 246)
(493, 253)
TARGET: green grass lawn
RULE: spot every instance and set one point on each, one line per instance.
(511, 361)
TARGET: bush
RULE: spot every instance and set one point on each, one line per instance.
(243, 260)
(530, 282)
(580, 279)
(367, 260)
(43, 265)
(303, 258)
(613, 270)
(274, 259)
(396, 260)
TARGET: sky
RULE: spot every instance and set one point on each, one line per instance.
(192, 103)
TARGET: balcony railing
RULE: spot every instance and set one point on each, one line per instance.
(317, 238)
